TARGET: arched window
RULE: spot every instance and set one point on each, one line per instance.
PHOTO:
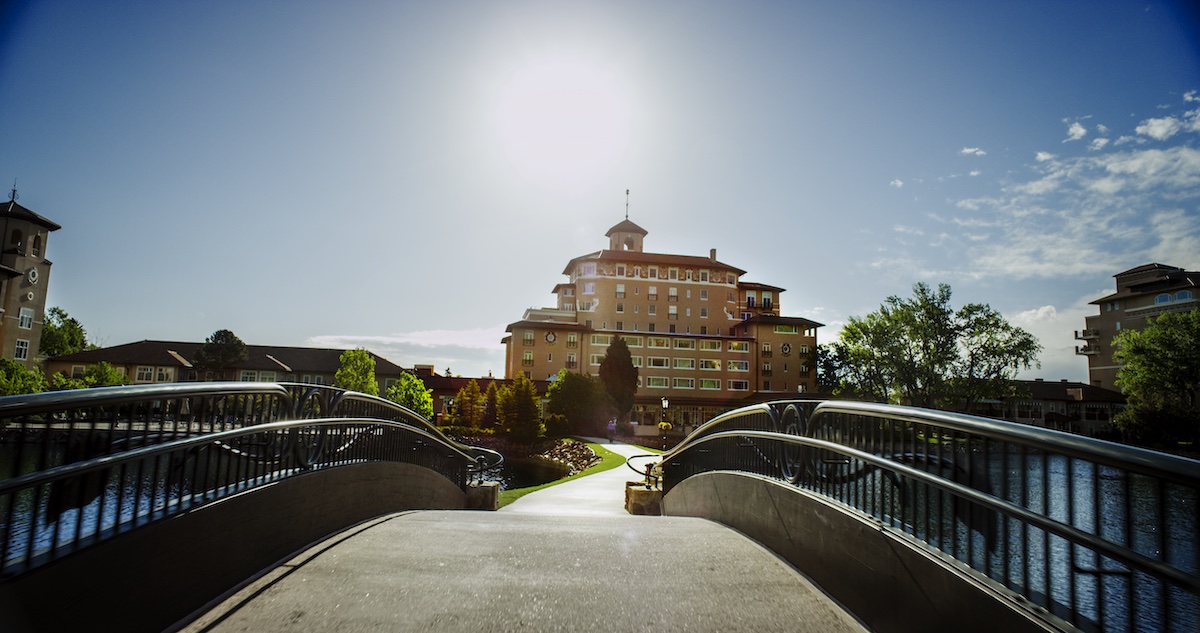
(37, 246)
(16, 237)
(1163, 298)
(1183, 295)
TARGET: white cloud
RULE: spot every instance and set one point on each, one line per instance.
(974, 172)
(1190, 96)
(897, 183)
(1103, 129)
(1160, 129)
(972, 151)
(1044, 156)
(1075, 132)
(1054, 329)
(1098, 144)
(473, 352)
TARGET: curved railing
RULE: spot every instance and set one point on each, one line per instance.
(1100, 536)
(79, 467)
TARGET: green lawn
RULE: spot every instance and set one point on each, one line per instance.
(608, 461)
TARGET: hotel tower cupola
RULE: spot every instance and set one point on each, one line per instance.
(626, 236)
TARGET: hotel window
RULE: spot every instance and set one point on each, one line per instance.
(266, 376)
(658, 362)
(650, 328)
(249, 375)
(710, 383)
(685, 363)
(739, 385)
(739, 346)
(710, 346)
(620, 325)
(653, 273)
(689, 275)
(659, 342)
(528, 337)
(22, 350)
(1163, 298)
(672, 294)
(77, 371)
(620, 270)
(587, 269)
(766, 300)
(527, 359)
(568, 292)
(704, 329)
(635, 308)
(673, 273)
(684, 343)
(751, 298)
(637, 271)
(671, 328)
(571, 361)
(637, 361)
(804, 369)
(710, 364)
(620, 291)
(652, 293)
(704, 295)
(633, 341)
(1183, 295)
(656, 382)
(26, 320)
(687, 312)
(739, 365)
(652, 310)
(704, 277)
(601, 339)
(596, 359)
(620, 307)
(672, 312)
(572, 340)
(730, 298)
(685, 383)
(787, 329)
(803, 349)
(589, 288)
(144, 374)
(766, 369)
(688, 293)
(164, 374)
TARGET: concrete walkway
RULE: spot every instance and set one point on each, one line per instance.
(567, 558)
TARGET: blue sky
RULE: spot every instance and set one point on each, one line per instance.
(410, 177)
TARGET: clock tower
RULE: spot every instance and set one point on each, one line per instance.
(24, 277)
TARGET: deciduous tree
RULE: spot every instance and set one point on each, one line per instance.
(409, 391)
(1160, 375)
(61, 334)
(357, 372)
(582, 400)
(619, 376)
(101, 374)
(221, 351)
(16, 379)
(921, 352)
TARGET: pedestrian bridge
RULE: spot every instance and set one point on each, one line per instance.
(230, 506)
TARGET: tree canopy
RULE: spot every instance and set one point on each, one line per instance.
(61, 334)
(582, 400)
(471, 405)
(518, 410)
(101, 374)
(409, 391)
(619, 376)
(921, 352)
(16, 379)
(1160, 375)
(219, 352)
(357, 372)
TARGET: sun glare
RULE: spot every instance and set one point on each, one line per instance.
(562, 123)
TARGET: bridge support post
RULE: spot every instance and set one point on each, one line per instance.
(484, 495)
(642, 499)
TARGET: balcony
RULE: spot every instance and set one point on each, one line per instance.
(572, 344)
(1087, 350)
(1087, 335)
(766, 353)
(652, 296)
(527, 342)
(766, 372)
(572, 364)
(673, 298)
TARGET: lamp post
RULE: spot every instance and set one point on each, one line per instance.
(662, 428)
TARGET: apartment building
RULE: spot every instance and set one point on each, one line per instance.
(703, 339)
(24, 278)
(1142, 293)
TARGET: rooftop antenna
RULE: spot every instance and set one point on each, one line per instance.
(626, 202)
(13, 196)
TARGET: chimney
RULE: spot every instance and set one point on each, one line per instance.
(712, 254)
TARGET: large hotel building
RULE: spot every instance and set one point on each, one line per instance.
(700, 336)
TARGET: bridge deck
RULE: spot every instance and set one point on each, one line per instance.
(567, 558)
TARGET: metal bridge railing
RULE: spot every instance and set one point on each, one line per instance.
(80, 467)
(1097, 536)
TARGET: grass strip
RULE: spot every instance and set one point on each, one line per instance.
(608, 461)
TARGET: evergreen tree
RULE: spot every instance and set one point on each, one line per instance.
(619, 376)
(489, 407)
(470, 405)
(518, 410)
(357, 372)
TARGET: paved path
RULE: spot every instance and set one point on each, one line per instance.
(555, 560)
